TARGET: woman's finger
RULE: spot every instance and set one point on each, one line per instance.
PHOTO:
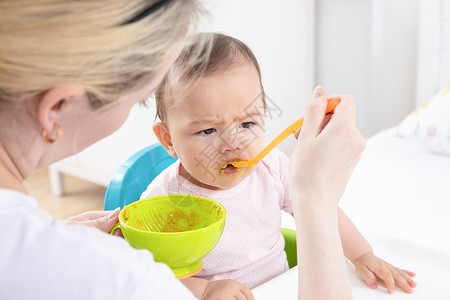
(92, 215)
(117, 232)
(297, 134)
(105, 223)
(344, 113)
(315, 113)
(325, 120)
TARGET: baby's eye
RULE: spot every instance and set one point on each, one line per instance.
(247, 125)
(207, 131)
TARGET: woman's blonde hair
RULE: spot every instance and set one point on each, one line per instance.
(106, 46)
(206, 54)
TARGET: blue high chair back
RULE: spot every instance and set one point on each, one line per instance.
(133, 176)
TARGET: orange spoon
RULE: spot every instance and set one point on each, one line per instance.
(281, 137)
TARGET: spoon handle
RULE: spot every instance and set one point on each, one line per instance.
(281, 137)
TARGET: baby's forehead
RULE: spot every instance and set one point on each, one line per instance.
(181, 91)
(204, 98)
(188, 81)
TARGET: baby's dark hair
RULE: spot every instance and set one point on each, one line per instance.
(206, 54)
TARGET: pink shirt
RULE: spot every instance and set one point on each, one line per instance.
(251, 249)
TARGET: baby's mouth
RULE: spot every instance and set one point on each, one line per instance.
(229, 168)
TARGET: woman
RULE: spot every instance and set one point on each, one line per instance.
(69, 73)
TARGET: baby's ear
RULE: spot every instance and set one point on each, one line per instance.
(162, 133)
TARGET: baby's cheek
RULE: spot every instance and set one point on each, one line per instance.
(256, 147)
(199, 168)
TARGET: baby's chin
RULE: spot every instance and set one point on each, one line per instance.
(223, 179)
(230, 177)
(219, 184)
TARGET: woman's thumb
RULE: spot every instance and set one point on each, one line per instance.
(319, 92)
(315, 112)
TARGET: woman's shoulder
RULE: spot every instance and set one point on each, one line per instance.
(15, 198)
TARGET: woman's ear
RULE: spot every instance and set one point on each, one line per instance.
(55, 102)
(162, 133)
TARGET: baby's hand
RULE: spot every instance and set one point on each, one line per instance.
(370, 268)
(227, 289)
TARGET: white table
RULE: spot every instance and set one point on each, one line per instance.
(432, 268)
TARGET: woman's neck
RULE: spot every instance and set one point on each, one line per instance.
(11, 176)
(20, 144)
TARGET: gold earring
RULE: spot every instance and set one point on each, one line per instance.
(58, 134)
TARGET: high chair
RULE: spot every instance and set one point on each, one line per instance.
(131, 179)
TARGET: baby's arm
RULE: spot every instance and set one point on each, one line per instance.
(369, 267)
(353, 243)
(220, 289)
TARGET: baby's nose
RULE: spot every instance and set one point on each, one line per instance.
(230, 143)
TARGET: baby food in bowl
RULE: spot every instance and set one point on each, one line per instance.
(178, 229)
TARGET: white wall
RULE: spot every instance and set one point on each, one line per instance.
(394, 61)
(369, 49)
(433, 71)
(343, 51)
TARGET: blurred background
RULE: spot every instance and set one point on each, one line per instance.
(382, 52)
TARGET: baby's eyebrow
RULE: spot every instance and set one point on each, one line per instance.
(218, 120)
(206, 120)
(252, 114)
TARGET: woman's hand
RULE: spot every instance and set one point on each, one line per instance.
(103, 220)
(371, 268)
(328, 148)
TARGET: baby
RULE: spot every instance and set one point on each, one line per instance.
(213, 113)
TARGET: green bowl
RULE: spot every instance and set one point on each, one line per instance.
(178, 229)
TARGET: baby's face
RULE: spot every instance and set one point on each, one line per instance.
(222, 119)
